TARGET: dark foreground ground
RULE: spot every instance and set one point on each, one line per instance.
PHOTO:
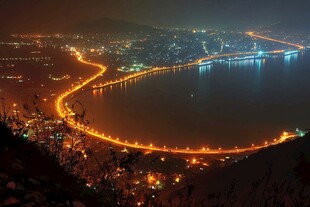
(29, 177)
(276, 176)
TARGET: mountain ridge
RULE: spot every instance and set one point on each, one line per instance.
(102, 25)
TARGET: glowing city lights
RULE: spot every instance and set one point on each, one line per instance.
(64, 111)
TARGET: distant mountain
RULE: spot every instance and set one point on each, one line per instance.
(295, 23)
(56, 25)
(238, 14)
(279, 172)
(106, 25)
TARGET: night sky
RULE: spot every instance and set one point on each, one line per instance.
(17, 14)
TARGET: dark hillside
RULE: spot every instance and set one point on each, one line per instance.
(30, 176)
(277, 174)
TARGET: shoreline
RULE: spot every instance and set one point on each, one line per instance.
(63, 110)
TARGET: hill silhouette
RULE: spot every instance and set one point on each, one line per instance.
(239, 14)
(280, 171)
(104, 25)
(30, 177)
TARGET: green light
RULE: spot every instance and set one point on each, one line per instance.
(25, 136)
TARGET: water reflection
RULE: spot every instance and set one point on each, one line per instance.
(252, 101)
(258, 67)
(254, 64)
(290, 59)
(204, 69)
(258, 64)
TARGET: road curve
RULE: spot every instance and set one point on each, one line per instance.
(64, 111)
(300, 47)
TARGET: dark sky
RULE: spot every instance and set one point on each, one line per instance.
(170, 13)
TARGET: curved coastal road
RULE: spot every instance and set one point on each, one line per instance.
(64, 111)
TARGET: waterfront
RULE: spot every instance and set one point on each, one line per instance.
(223, 105)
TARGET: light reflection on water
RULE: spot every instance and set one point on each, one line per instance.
(290, 59)
(228, 104)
